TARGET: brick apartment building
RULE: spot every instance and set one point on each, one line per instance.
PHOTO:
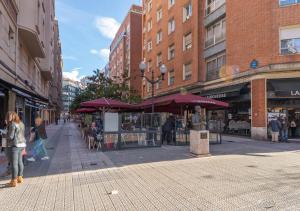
(125, 50)
(244, 52)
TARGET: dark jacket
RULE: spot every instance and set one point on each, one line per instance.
(40, 132)
(275, 125)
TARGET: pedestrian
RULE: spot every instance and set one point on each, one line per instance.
(293, 126)
(39, 137)
(15, 144)
(275, 129)
(284, 129)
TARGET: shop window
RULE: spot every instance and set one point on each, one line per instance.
(290, 40)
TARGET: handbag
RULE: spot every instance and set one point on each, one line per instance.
(37, 150)
(32, 137)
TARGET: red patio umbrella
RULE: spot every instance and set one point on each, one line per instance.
(86, 110)
(105, 103)
(176, 102)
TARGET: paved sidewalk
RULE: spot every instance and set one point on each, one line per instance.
(241, 175)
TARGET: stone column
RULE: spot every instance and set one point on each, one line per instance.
(11, 101)
(259, 109)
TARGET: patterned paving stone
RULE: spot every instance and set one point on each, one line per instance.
(240, 175)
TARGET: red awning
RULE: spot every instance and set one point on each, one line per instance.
(86, 110)
(176, 102)
(106, 103)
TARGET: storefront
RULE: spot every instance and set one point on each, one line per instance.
(284, 101)
(3, 104)
(237, 118)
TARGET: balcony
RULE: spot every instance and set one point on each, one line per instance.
(28, 28)
(215, 11)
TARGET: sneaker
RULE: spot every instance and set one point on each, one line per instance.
(45, 158)
(31, 159)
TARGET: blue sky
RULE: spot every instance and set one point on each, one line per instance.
(86, 31)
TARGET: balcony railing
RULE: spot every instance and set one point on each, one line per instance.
(214, 6)
(215, 39)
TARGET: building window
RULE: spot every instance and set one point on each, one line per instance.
(149, 5)
(171, 3)
(171, 78)
(187, 11)
(149, 65)
(215, 33)
(171, 52)
(159, 84)
(148, 87)
(159, 37)
(159, 14)
(290, 40)
(288, 2)
(214, 65)
(171, 26)
(159, 60)
(187, 41)
(187, 71)
(212, 5)
(149, 25)
(149, 46)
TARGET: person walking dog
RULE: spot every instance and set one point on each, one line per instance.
(15, 145)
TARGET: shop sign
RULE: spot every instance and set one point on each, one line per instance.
(291, 93)
(217, 96)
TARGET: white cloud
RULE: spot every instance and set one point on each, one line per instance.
(102, 53)
(73, 74)
(107, 26)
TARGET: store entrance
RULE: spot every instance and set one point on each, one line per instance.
(294, 123)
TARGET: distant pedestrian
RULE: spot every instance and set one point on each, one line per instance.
(275, 128)
(39, 136)
(293, 126)
(15, 145)
(284, 132)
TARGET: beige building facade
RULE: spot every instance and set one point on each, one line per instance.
(30, 59)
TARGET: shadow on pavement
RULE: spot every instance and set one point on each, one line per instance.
(69, 154)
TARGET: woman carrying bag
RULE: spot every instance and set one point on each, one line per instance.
(39, 136)
(15, 144)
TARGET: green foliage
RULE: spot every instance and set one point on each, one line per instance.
(99, 86)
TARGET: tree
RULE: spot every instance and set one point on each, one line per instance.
(99, 86)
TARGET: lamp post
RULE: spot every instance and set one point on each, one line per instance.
(152, 81)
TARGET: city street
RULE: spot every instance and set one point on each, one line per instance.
(240, 175)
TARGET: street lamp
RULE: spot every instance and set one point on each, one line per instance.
(152, 81)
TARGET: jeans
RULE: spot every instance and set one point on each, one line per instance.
(44, 141)
(284, 135)
(16, 161)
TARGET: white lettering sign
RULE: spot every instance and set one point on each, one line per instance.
(295, 93)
